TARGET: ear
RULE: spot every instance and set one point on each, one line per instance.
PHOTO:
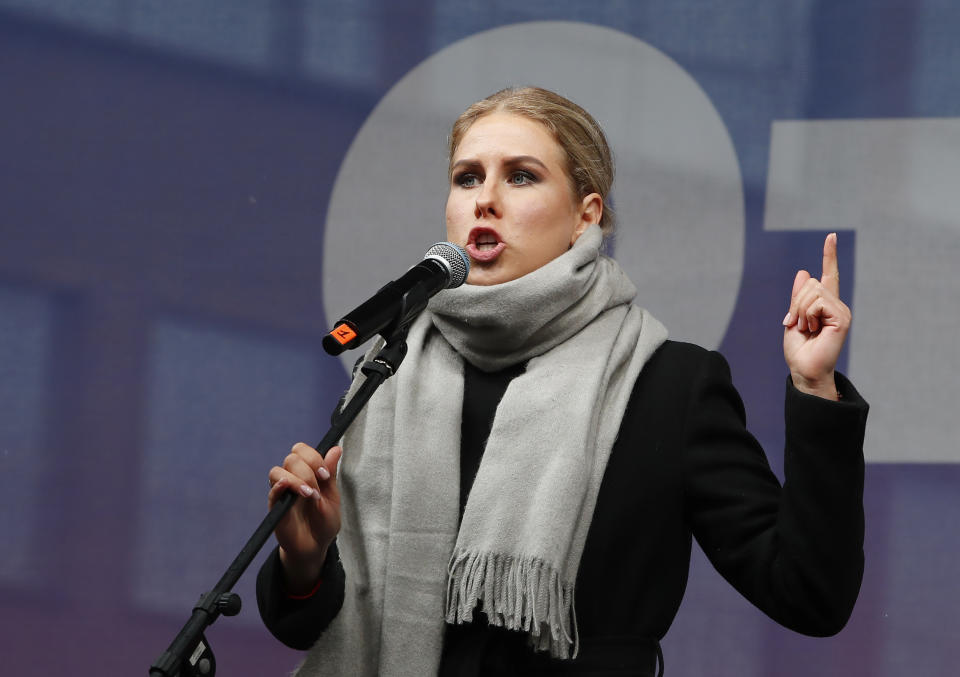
(591, 209)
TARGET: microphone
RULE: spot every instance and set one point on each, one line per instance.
(444, 266)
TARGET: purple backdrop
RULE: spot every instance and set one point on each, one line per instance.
(165, 171)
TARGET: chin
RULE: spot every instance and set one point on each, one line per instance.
(483, 281)
(488, 278)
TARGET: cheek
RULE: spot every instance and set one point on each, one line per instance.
(454, 217)
(549, 224)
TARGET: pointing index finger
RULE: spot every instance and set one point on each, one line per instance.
(830, 278)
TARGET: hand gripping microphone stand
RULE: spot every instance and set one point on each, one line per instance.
(190, 655)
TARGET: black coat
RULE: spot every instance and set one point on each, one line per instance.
(683, 465)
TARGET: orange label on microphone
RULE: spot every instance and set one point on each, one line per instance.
(343, 334)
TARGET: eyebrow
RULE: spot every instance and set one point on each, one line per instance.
(515, 160)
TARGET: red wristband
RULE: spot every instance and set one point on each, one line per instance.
(309, 594)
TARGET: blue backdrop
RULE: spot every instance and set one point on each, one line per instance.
(175, 177)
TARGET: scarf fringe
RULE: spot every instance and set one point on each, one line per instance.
(517, 594)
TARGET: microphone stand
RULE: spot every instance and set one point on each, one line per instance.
(190, 655)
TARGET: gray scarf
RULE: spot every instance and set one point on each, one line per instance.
(518, 547)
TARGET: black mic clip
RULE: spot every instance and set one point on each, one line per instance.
(398, 303)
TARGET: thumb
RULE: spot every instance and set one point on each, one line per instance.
(332, 461)
(798, 281)
(793, 313)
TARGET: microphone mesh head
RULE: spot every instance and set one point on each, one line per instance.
(454, 259)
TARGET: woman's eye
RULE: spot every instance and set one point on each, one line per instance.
(468, 180)
(521, 178)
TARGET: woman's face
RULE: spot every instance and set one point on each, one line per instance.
(510, 203)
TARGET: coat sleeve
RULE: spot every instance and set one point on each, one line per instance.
(795, 551)
(299, 621)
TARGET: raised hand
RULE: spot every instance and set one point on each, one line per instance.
(816, 326)
(310, 526)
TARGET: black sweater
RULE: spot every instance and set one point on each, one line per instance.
(683, 465)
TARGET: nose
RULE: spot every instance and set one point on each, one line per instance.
(488, 205)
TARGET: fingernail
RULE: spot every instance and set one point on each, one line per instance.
(309, 492)
(786, 319)
(323, 473)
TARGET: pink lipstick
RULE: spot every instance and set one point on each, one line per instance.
(484, 245)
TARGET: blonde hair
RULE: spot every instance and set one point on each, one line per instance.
(584, 145)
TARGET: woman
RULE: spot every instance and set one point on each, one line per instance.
(582, 448)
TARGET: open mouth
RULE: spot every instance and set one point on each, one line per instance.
(484, 245)
(486, 241)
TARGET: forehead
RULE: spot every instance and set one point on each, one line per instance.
(509, 134)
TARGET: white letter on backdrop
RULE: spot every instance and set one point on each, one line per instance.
(897, 183)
